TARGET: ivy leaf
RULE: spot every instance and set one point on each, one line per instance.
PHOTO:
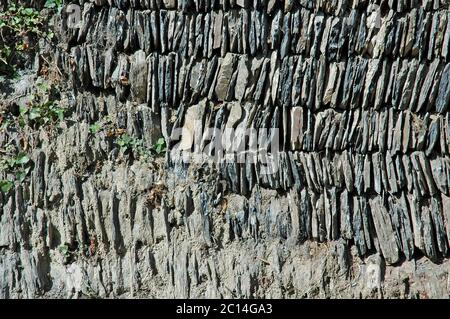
(34, 114)
(94, 128)
(5, 186)
(20, 176)
(160, 145)
(23, 110)
(50, 4)
(22, 121)
(59, 113)
(11, 162)
(20, 47)
(22, 158)
(28, 11)
(64, 250)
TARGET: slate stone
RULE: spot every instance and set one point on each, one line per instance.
(443, 96)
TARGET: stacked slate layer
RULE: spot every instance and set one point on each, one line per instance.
(360, 91)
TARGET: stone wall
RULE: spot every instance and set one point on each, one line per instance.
(360, 204)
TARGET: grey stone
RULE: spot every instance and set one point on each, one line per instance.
(224, 76)
(443, 96)
(384, 228)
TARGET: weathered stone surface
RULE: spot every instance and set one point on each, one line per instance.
(443, 97)
(358, 91)
(138, 77)
(383, 225)
(224, 76)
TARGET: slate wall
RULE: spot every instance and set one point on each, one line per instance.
(360, 93)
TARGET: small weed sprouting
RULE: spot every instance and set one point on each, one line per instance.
(160, 146)
(95, 128)
(65, 252)
(128, 143)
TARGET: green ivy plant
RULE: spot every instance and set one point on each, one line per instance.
(5, 186)
(65, 252)
(128, 143)
(40, 111)
(37, 115)
(18, 24)
(160, 146)
(95, 128)
(18, 165)
(20, 19)
(53, 4)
